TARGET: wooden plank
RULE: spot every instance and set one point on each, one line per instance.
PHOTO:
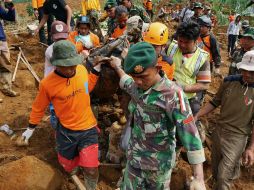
(28, 65)
(78, 182)
(16, 67)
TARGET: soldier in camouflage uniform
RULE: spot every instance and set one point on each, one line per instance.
(136, 10)
(158, 109)
(247, 44)
(112, 22)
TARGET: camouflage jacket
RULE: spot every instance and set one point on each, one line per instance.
(236, 58)
(157, 114)
(139, 11)
(111, 26)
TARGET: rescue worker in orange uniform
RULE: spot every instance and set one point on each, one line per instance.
(157, 35)
(82, 37)
(121, 17)
(207, 41)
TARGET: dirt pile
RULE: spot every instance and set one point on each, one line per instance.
(29, 173)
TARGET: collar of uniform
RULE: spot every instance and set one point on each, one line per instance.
(158, 86)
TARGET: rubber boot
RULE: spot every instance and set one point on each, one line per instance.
(90, 183)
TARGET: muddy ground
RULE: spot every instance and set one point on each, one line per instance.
(15, 112)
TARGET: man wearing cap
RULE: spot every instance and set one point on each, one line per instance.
(90, 8)
(246, 42)
(207, 41)
(234, 125)
(67, 88)
(198, 11)
(110, 9)
(82, 37)
(207, 10)
(158, 108)
(135, 10)
(245, 25)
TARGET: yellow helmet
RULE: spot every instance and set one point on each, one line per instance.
(156, 34)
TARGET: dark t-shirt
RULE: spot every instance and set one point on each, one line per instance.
(56, 8)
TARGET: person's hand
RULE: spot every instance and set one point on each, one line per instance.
(115, 62)
(85, 53)
(248, 157)
(69, 28)
(7, 1)
(36, 31)
(23, 140)
(36, 13)
(197, 184)
(124, 53)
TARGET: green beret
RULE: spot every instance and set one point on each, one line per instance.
(140, 56)
(109, 4)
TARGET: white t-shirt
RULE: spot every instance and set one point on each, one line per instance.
(48, 66)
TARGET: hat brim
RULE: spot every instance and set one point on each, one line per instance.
(245, 35)
(243, 66)
(58, 36)
(72, 61)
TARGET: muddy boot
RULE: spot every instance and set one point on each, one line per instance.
(5, 84)
(90, 183)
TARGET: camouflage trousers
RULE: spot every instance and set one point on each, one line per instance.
(137, 179)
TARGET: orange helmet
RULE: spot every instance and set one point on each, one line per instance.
(156, 34)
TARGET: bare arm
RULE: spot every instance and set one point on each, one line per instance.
(43, 21)
(205, 110)
(248, 155)
(116, 65)
(199, 174)
(196, 87)
(69, 13)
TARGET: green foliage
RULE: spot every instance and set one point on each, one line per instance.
(29, 10)
(223, 8)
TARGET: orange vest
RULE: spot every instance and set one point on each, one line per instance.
(118, 32)
(167, 68)
(79, 46)
(205, 45)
